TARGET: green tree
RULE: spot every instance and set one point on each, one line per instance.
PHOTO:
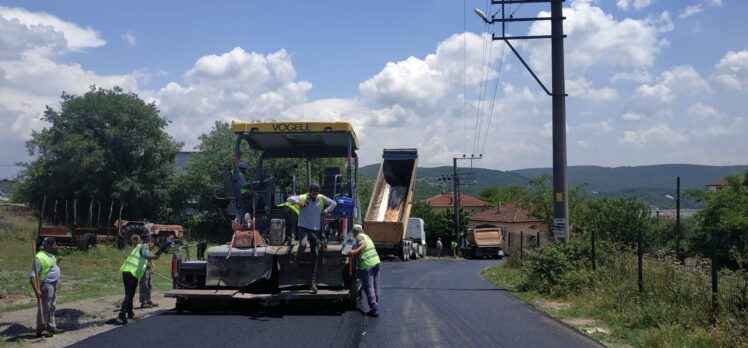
(540, 194)
(727, 211)
(619, 220)
(106, 145)
(497, 195)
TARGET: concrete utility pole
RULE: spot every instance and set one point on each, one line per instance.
(560, 182)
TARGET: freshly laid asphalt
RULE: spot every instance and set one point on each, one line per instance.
(433, 303)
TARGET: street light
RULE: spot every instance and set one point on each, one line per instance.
(483, 16)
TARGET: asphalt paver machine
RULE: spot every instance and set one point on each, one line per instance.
(264, 261)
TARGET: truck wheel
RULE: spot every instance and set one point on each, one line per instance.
(87, 242)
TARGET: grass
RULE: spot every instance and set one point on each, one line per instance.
(674, 310)
(85, 275)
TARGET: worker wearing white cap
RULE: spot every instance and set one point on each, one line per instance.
(368, 268)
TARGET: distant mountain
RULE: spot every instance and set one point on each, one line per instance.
(649, 183)
(604, 179)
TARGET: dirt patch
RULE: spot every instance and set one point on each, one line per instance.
(553, 306)
(79, 319)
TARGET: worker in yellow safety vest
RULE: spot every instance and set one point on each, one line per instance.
(368, 268)
(43, 278)
(132, 270)
(310, 208)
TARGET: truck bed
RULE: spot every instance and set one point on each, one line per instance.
(392, 198)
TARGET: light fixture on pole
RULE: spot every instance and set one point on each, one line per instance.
(483, 16)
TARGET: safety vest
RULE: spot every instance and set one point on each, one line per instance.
(242, 190)
(369, 258)
(135, 263)
(295, 207)
(46, 263)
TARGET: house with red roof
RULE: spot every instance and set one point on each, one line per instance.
(444, 201)
(716, 185)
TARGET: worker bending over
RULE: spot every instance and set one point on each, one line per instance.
(368, 268)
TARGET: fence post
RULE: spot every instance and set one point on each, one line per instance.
(715, 290)
(521, 246)
(593, 248)
(509, 241)
(640, 254)
(537, 238)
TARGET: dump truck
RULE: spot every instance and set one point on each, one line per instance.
(480, 242)
(265, 261)
(386, 219)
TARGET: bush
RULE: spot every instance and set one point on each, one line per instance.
(558, 268)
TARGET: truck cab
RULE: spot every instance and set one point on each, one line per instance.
(417, 234)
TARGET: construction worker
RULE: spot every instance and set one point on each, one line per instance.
(453, 244)
(43, 279)
(310, 208)
(146, 287)
(439, 247)
(368, 268)
(132, 270)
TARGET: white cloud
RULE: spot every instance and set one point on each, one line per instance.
(637, 4)
(681, 80)
(658, 92)
(77, 38)
(421, 83)
(714, 3)
(582, 88)
(703, 112)
(691, 10)
(732, 70)
(633, 116)
(636, 76)
(596, 38)
(130, 38)
(663, 22)
(30, 76)
(230, 86)
(601, 127)
(659, 132)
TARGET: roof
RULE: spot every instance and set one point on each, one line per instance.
(299, 138)
(719, 183)
(504, 213)
(446, 200)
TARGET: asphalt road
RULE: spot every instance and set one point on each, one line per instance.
(424, 303)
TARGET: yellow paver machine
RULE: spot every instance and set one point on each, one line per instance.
(265, 261)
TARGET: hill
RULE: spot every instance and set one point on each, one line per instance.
(651, 184)
(605, 179)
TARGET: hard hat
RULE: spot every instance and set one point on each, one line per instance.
(243, 165)
(358, 228)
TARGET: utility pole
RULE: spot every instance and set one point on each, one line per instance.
(456, 191)
(677, 220)
(560, 183)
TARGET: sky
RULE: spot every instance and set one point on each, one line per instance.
(648, 81)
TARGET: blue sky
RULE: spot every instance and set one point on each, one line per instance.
(649, 81)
